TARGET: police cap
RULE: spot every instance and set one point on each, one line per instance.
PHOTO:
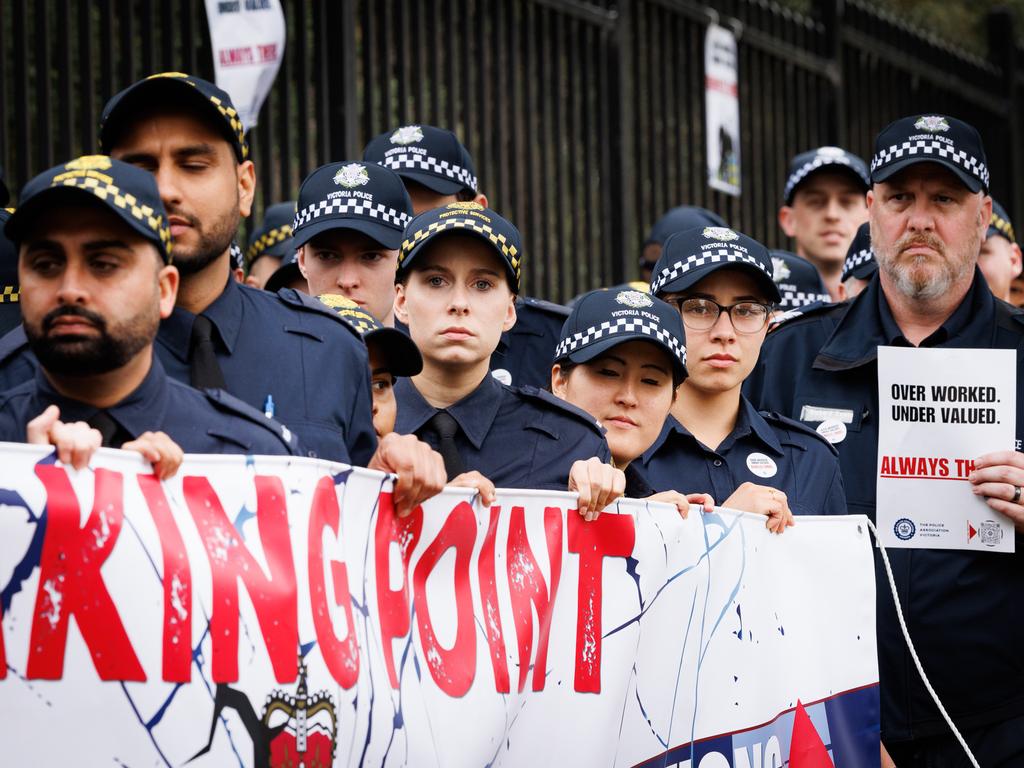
(433, 157)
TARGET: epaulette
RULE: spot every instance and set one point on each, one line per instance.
(228, 403)
(796, 426)
(550, 401)
(810, 310)
(544, 306)
(307, 303)
(12, 342)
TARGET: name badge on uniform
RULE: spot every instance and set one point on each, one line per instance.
(822, 413)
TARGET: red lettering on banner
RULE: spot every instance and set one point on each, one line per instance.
(393, 604)
(528, 590)
(275, 598)
(70, 583)
(340, 656)
(607, 536)
(487, 571)
(452, 668)
(177, 578)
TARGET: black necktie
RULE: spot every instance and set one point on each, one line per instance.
(114, 435)
(205, 370)
(445, 427)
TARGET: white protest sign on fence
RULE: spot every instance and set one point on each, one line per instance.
(266, 611)
(247, 38)
(722, 107)
(941, 409)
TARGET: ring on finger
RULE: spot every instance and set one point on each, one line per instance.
(1016, 494)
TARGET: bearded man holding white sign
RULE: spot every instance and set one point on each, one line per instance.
(929, 208)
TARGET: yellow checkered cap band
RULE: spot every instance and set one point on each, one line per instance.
(9, 294)
(231, 115)
(350, 312)
(112, 195)
(1003, 226)
(507, 249)
(266, 240)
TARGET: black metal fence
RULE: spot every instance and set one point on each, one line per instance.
(585, 119)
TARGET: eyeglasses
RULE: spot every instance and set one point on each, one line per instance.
(702, 314)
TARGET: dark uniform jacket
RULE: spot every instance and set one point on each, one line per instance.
(527, 349)
(963, 609)
(785, 454)
(517, 438)
(209, 421)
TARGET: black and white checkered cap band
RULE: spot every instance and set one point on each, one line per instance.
(931, 147)
(818, 162)
(350, 206)
(801, 299)
(856, 259)
(680, 268)
(620, 325)
(410, 161)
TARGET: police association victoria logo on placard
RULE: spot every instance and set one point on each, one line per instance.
(780, 269)
(904, 529)
(351, 176)
(634, 299)
(932, 123)
(720, 233)
(407, 134)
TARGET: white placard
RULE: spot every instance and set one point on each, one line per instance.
(247, 37)
(722, 105)
(940, 410)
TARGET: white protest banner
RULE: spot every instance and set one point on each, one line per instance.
(274, 611)
(940, 410)
(722, 106)
(247, 37)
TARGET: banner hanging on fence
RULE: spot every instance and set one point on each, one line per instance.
(722, 106)
(247, 38)
(271, 611)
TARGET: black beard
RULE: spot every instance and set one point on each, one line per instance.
(80, 356)
(211, 246)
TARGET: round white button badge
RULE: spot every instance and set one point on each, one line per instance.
(503, 376)
(832, 430)
(761, 465)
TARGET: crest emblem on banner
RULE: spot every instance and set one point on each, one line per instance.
(904, 529)
(932, 123)
(780, 269)
(720, 233)
(352, 175)
(635, 299)
(407, 134)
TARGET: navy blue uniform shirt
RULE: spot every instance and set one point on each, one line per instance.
(527, 349)
(516, 438)
(209, 421)
(292, 348)
(962, 608)
(287, 346)
(800, 463)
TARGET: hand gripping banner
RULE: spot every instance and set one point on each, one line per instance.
(272, 612)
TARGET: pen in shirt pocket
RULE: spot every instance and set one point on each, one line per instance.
(268, 407)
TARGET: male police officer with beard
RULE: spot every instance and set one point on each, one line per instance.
(928, 209)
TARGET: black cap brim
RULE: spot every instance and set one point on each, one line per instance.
(973, 183)
(14, 228)
(431, 182)
(598, 348)
(401, 355)
(284, 275)
(836, 166)
(695, 275)
(388, 237)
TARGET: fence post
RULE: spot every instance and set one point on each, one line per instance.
(620, 93)
(1002, 46)
(830, 13)
(342, 110)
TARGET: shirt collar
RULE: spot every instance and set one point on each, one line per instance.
(475, 413)
(143, 410)
(225, 313)
(748, 422)
(953, 325)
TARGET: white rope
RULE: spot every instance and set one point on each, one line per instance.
(913, 651)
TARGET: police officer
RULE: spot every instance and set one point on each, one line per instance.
(930, 197)
(674, 220)
(437, 170)
(721, 283)
(347, 230)
(458, 274)
(10, 308)
(823, 206)
(95, 255)
(800, 284)
(271, 243)
(1000, 258)
(860, 265)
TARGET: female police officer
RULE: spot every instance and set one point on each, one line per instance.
(721, 283)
